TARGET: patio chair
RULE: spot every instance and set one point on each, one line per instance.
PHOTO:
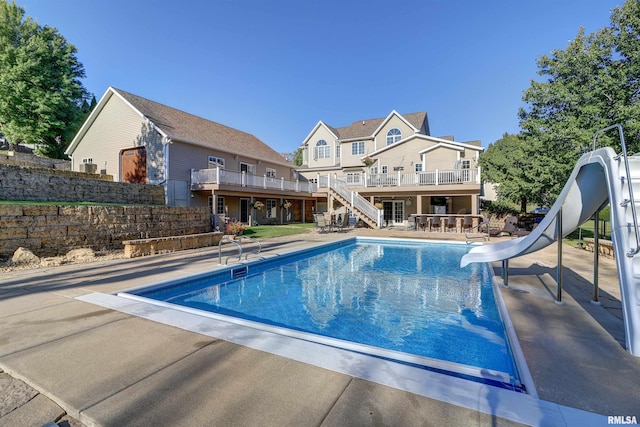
(511, 228)
(425, 224)
(342, 221)
(321, 223)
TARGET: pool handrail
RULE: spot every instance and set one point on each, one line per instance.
(226, 239)
(253, 240)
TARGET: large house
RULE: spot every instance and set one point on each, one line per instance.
(388, 168)
(199, 162)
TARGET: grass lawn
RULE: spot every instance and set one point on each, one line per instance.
(266, 231)
(587, 231)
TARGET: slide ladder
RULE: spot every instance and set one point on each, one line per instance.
(599, 177)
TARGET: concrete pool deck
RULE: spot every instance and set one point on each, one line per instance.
(108, 367)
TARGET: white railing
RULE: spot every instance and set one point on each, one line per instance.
(243, 179)
(356, 200)
(407, 179)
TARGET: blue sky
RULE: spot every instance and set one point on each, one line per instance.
(273, 68)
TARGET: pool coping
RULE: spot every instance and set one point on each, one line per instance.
(455, 368)
(457, 391)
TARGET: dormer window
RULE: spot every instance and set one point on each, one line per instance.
(321, 150)
(393, 136)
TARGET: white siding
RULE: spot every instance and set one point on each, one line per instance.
(394, 122)
(322, 133)
(117, 127)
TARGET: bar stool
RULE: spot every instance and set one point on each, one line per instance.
(436, 223)
(452, 223)
(467, 223)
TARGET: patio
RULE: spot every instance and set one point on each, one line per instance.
(108, 367)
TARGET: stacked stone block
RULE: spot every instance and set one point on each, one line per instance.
(42, 184)
(54, 230)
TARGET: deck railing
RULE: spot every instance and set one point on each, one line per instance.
(243, 179)
(408, 179)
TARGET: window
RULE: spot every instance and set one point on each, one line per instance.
(353, 177)
(384, 169)
(393, 136)
(248, 168)
(373, 170)
(271, 208)
(216, 162)
(338, 151)
(357, 148)
(418, 167)
(466, 164)
(90, 160)
(271, 173)
(321, 150)
(220, 207)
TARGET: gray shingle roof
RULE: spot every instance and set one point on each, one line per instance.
(365, 128)
(189, 128)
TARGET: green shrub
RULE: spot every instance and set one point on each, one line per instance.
(500, 208)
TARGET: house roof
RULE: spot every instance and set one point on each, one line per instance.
(178, 125)
(366, 128)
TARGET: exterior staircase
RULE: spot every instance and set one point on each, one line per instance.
(360, 206)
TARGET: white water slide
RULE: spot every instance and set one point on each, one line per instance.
(599, 177)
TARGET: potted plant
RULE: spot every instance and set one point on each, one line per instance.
(286, 204)
(368, 161)
(258, 205)
(378, 205)
(236, 228)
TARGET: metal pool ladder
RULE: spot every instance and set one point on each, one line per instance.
(631, 200)
(227, 239)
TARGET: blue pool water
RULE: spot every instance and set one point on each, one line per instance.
(406, 297)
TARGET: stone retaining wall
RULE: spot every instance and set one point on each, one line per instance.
(42, 184)
(53, 230)
(28, 159)
(141, 247)
(605, 246)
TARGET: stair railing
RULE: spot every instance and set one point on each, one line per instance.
(631, 199)
(356, 200)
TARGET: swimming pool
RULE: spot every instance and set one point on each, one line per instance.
(400, 300)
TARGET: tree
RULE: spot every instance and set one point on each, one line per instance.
(590, 85)
(507, 163)
(297, 157)
(41, 96)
